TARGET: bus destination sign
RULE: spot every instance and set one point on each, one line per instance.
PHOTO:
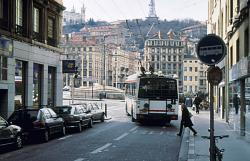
(211, 49)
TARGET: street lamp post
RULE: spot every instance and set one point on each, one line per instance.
(104, 64)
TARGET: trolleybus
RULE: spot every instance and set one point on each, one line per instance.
(151, 97)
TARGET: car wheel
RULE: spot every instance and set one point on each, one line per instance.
(63, 130)
(102, 118)
(90, 125)
(46, 136)
(19, 142)
(79, 127)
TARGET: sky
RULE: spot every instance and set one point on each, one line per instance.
(113, 10)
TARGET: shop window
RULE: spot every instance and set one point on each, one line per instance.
(20, 75)
(3, 67)
(37, 84)
(51, 86)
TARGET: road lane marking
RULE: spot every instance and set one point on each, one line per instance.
(161, 133)
(101, 148)
(79, 159)
(120, 137)
(133, 129)
(151, 132)
(63, 138)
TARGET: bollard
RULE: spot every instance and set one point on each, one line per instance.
(106, 114)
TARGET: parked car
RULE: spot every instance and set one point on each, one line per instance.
(96, 110)
(75, 116)
(10, 134)
(40, 123)
(66, 88)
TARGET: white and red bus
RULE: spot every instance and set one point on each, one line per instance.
(151, 97)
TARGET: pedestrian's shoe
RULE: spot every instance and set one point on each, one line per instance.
(178, 134)
(195, 133)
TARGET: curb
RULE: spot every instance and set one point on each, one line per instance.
(184, 149)
(191, 150)
(108, 118)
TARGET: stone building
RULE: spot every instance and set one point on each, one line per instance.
(30, 64)
(165, 54)
(230, 21)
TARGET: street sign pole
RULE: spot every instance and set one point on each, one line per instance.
(212, 143)
(211, 50)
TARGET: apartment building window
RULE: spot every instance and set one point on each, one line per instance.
(158, 58)
(169, 58)
(196, 88)
(190, 78)
(185, 69)
(185, 88)
(1, 9)
(190, 88)
(246, 42)
(36, 15)
(51, 27)
(231, 11)
(163, 66)
(196, 69)
(153, 58)
(164, 58)
(169, 66)
(174, 58)
(237, 50)
(185, 78)
(231, 56)
(180, 58)
(196, 78)
(190, 69)
(19, 12)
(3, 67)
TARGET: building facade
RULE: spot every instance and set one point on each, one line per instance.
(230, 20)
(30, 68)
(194, 76)
(165, 55)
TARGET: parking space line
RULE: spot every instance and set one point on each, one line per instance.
(133, 129)
(79, 159)
(63, 138)
(101, 148)
(120, 137)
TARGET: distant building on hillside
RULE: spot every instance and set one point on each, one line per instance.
(73, 18)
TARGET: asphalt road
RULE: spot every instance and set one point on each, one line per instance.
(117, 139)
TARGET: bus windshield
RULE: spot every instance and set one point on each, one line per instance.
(159, 88)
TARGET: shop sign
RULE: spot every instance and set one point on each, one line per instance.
(239, 70)
(6, 47)
(68, 66)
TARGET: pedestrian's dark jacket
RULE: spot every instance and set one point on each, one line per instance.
(185, 118)
(197, 100)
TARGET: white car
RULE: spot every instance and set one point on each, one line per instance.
(66, 88)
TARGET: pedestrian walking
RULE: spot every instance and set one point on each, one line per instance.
(236, 102)
(197, 101)
(185, 120)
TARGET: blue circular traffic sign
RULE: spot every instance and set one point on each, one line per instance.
(211, 49)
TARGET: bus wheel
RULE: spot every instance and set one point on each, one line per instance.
(132, 116)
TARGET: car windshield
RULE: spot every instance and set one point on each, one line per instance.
(62, 109)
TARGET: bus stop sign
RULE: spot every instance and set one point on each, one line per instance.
(211, 49)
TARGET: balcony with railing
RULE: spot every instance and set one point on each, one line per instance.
(37, 36)
(52, 42)
(20, 30)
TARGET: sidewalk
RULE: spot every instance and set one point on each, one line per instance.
(237, 148)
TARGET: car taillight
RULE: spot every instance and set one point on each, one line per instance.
(38, 123)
